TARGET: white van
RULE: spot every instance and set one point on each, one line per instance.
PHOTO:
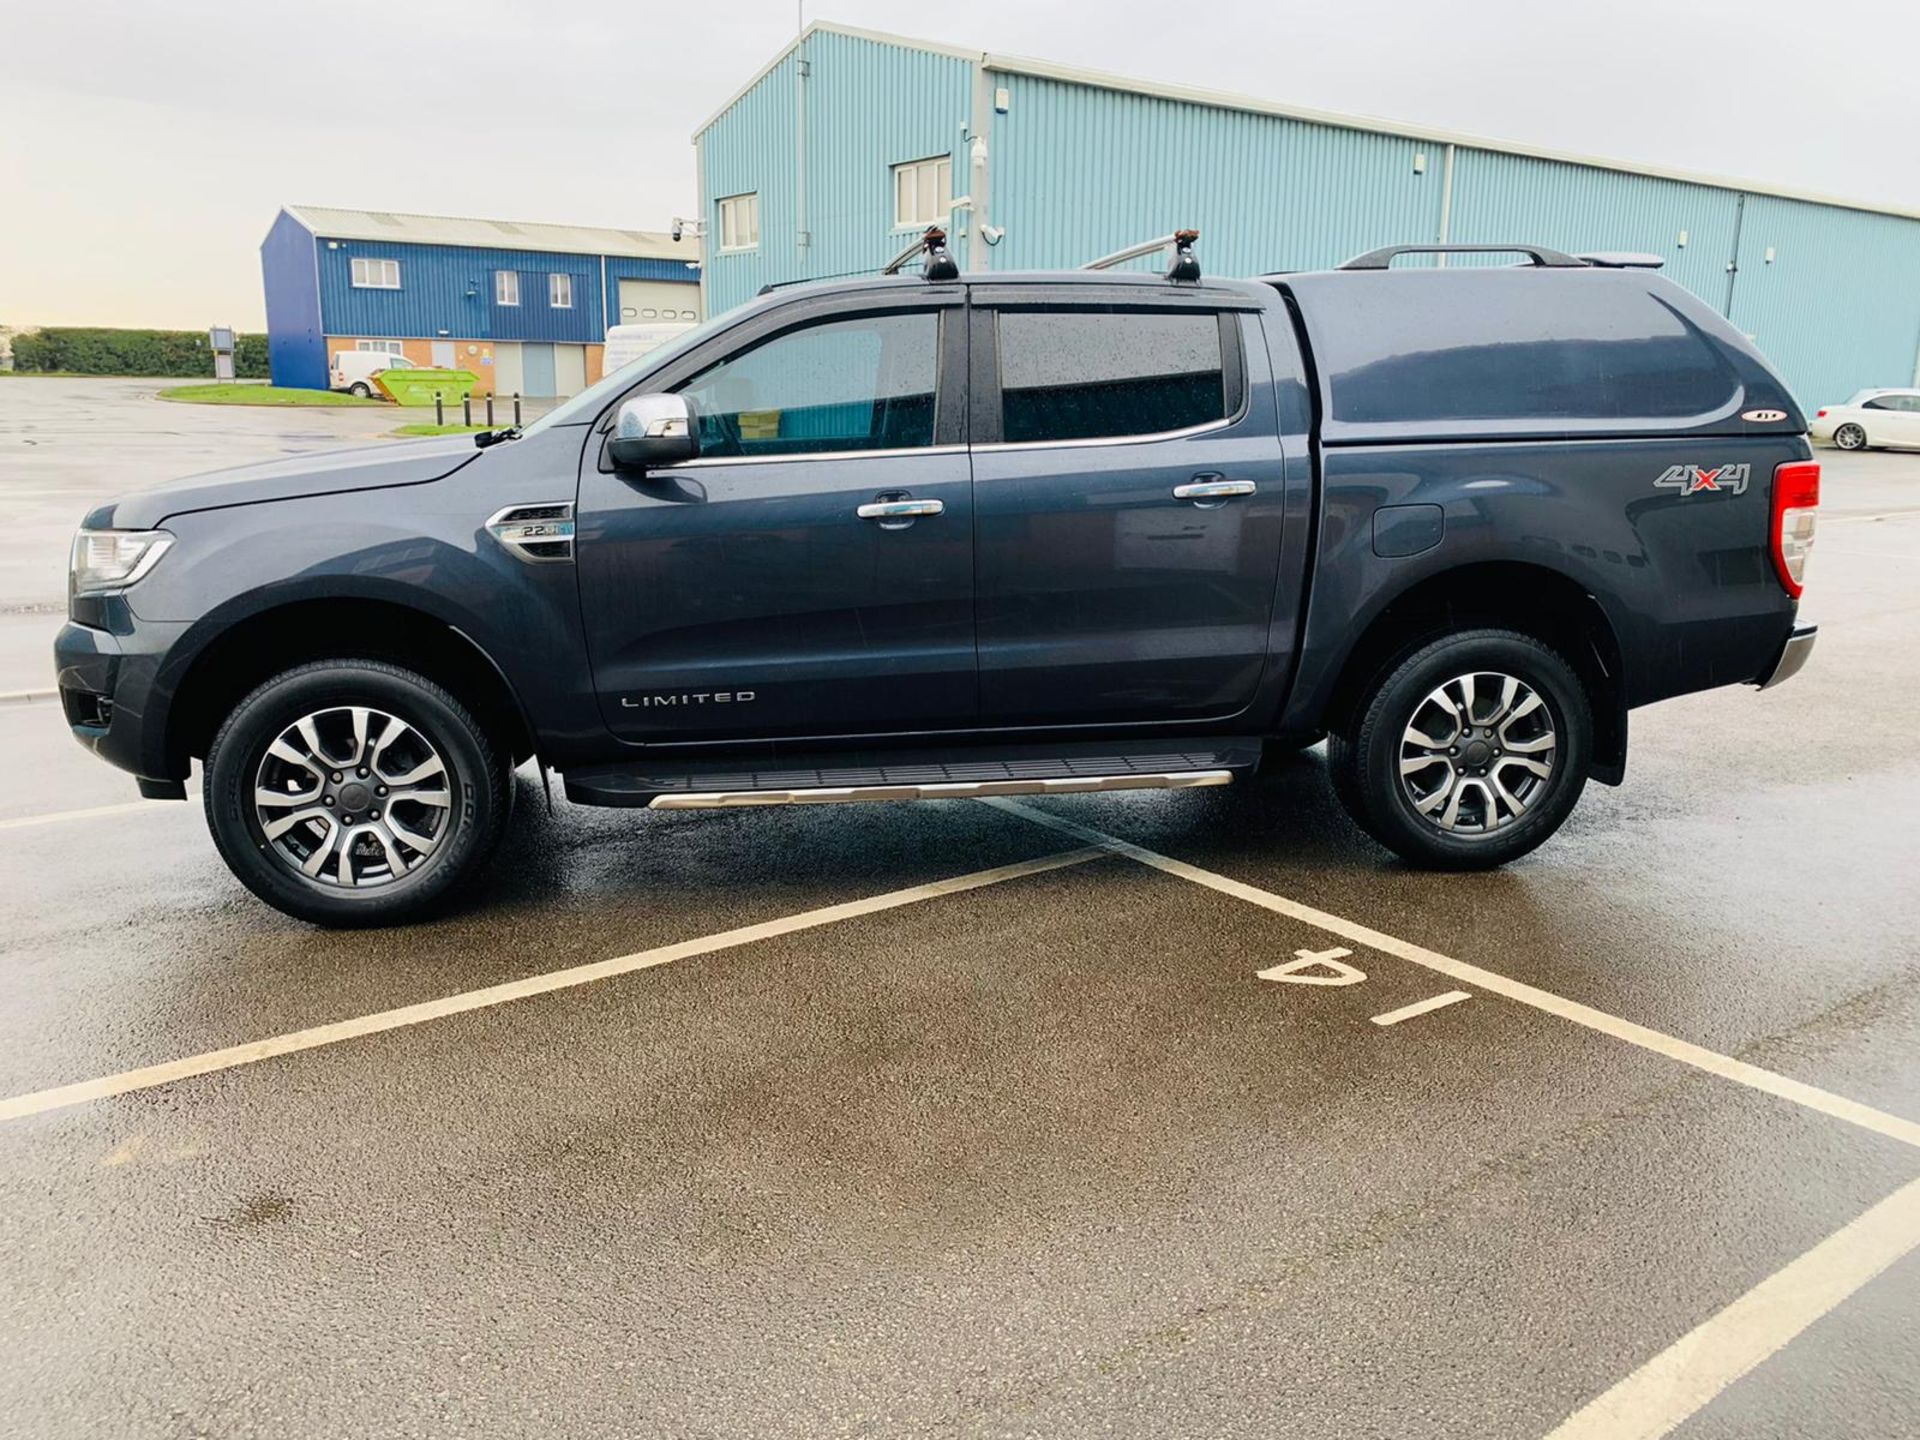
(627, 343)
(353, 370)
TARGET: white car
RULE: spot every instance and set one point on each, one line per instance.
(1871, 417)
(353, 370)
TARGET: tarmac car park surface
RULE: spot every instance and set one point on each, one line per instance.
(945, 1119)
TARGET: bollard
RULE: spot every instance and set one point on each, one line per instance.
(516, 409)
(439, 411)
(466, 411)
(489, 409)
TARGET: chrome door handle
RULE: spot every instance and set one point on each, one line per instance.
(900, 509)
(1213, 489)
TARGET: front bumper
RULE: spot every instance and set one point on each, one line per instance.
(1792, 656)
(116, 701)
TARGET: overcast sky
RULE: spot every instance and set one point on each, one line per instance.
(145, 147)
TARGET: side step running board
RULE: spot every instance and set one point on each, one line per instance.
(950, 790)
(789, 775)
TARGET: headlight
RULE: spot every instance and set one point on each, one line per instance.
(113, 559)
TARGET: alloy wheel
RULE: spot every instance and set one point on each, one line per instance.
(352, 797)
(1477, 753)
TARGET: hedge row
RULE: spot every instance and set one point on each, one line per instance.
(134, 352)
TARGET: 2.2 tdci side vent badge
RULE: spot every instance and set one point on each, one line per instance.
(537, 533)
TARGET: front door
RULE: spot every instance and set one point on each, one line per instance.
(1128, 501)
(812, 572)
(443, 355)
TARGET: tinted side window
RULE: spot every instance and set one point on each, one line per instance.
(1879, 402)
(1508, 344)
(864, 384)
(1083, 374)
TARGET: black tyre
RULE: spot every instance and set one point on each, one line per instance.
(1467, 752)
(352, 792)
(1850, 437)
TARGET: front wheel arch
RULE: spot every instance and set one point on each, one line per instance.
(252, 650)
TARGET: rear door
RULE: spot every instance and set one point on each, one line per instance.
(812, 572)
(1128, 494)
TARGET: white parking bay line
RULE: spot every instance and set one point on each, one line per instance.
(1660, 1043)
(149, 1076)
(1422, 1007)
(127, 807)
(1684, 1377)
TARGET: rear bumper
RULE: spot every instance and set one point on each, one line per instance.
(1792, 656)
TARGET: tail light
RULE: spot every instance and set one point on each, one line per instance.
(1796, 502)
(1820, 414)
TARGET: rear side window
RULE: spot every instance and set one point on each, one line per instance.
(865, 384)
(1510, 345)
(1091, 374)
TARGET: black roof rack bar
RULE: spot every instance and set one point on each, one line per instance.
(933, 243)
(1383, 257)
(1184, 266)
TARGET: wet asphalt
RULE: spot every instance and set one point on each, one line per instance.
(1044, 1157)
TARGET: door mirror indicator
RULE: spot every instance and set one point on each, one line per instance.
(652, 430)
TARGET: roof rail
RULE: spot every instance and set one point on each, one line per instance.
(939, 264)
(1623, 260)
(1184, 266)
(1383, 257)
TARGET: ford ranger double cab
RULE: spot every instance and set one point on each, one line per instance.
(929, 535)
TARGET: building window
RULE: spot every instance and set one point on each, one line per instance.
(382, 347)
(506, 287)
(376, 274)
(740, 222)
(560, 292)
(922, 193)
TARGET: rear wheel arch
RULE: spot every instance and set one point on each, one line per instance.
(1533, 600)
(254, 649)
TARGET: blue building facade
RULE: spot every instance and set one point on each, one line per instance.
(1049, 166)
(524, 306)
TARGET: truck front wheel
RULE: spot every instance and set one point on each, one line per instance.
(1468, 752)
(352, 792)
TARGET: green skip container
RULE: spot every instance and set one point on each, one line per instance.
(417, 387)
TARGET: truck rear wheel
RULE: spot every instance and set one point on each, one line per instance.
(352, 792)
(1468, 752)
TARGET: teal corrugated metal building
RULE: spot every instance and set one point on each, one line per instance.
(1055, 166)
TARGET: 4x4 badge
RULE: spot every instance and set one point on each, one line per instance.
(1691, 479)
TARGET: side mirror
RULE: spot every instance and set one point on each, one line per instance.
(652, 430)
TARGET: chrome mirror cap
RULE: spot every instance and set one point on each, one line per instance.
(653, 430)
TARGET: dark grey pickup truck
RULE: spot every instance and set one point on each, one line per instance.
(936, 535)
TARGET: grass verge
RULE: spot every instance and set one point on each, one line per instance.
(259, 395)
